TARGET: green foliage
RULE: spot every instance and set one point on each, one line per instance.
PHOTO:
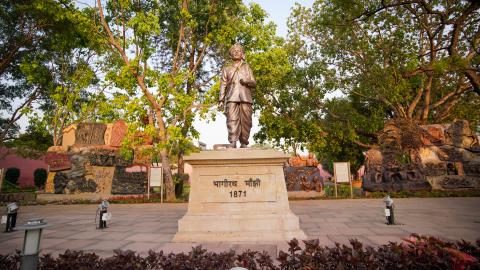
(33, 143)
(343, 191)
(12, 174)
(38, 38)
(40, 177)
(7, 187)
(164, 60)
(355, 65)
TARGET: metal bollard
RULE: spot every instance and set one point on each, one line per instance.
(102, 213)
(12, 212)
(389, 210)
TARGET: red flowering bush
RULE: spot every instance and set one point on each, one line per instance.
(416, 252)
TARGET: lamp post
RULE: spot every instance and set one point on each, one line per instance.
(389, 213)
(12, 211)
(31, 243)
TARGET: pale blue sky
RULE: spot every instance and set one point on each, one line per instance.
(279, 10)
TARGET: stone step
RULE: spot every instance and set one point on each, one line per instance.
(253, 222)
(238, 236)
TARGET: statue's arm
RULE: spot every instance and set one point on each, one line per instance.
(250, 82)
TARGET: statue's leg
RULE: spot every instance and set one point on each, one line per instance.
(233, 121)
(245, 122)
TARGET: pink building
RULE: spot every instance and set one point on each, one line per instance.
(26, 166)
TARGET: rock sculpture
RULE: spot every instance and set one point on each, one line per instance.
(416, 157)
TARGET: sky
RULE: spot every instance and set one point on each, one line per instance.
(215, 132)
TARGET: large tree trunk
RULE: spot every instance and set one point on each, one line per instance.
(181, 162)
(168, 178)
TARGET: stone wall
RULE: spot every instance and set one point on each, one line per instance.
(129, 182)
(89, 160)
(422, 157)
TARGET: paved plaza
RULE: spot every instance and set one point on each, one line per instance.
(141, 227)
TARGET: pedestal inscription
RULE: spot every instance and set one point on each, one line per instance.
(239, 188)
(238, 195)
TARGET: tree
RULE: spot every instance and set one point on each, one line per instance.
(415, 57)
(414, 60)
(287, 119)
(74, 93)
(166, 55)
(28, 30)
(33, 143)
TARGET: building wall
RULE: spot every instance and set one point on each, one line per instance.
(26, 166)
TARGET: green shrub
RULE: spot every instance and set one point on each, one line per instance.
(343, 191)
(12, 174)
(40, 177)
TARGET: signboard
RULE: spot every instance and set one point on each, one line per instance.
(156, 177)
(57, 161)
(342, 175)
(341, 172)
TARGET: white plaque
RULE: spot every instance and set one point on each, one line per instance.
(156, 175)
(342, 172)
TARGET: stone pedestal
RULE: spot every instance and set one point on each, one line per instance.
(238, 195)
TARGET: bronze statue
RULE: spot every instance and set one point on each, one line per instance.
(236, 98)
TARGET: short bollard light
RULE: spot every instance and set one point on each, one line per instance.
(389, 210)
(11, 218)
(102, 214)
(31, 243)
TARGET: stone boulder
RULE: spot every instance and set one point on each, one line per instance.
(460, 135)
(433, 135)
(107, 157)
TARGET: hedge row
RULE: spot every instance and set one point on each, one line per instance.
(417, 252)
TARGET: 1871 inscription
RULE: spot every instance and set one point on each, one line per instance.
(239, 188)
(233, 183)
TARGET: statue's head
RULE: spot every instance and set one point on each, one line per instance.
(236, 52)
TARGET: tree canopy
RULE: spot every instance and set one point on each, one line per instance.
(416, 60)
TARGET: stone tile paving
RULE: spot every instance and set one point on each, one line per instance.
(142, 227)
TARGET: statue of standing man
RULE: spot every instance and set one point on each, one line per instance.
(235, 97)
